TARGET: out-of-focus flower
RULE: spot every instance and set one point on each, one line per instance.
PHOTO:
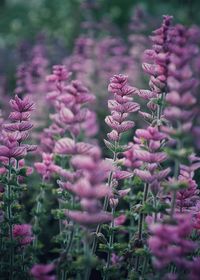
(43, 272)
(23, 234)
(169, 243)
(90, 188)
(120, 220)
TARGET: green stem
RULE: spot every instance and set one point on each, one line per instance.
(140, 226)
(87, 257)
(155, 205)
(70, 240)
(173, 204)
(106, 201)
(111, 241)
(9, 211)
(160, 108)
(38, 210)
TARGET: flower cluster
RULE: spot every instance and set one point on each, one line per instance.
(158, 69)
(188, 197)
(149, 142)
(181, 83)
(16, 132)
(43, 272)
(23, 234)
(169, 242)
(90, 188)
(71, 116)
(121, 106)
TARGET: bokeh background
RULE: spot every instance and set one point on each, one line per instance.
(61, 19)
(95, 39)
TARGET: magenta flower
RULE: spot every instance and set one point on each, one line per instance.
(157, 64)
(130, 159)
(120, 220)
(16, 132)
(121, 106)
(188, 197)
(59, 74)
(43, 272)
(23, 234)
(194, 269)
(89, 219)
(181, 83)
(169, 242)
(12, 150)
(71, 115)
(116, 259)
(47, 167)
(147, 153)
(89, 187)
(21, 106)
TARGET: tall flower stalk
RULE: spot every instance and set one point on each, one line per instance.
(121, 106)
(11, 151)
(149, 141)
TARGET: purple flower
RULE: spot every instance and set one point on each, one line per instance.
(120, 220)
(116, 259)
(169, 242)
(16, 132)
(47, 167)
(181, 83)
(43, 272)
(59, 74)
(89, 187)
(121, 106)
(89, 219)
(23, 234)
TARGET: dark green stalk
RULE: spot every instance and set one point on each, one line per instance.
(160, 108)
(10, 223)
(140, 226)
(155, 204)
(110, 243)
(87, 257)
(38, 210)
(106, 201)
(173, 204)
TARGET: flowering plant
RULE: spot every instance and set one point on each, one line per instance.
(103, 199)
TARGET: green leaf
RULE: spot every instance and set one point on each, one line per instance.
(109, 145)
(22, 172)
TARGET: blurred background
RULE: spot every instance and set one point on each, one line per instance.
(95, 39)
(62, 18)
(58, 25)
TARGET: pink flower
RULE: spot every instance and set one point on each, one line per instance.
(89, 187)
(116, 259)
(196, 221)
(13, 152)
(23, 233)
(16, 132)
(121, 106)
(87, 219)
(60, 73)
(22, 105)
(84, 189)
(120, 220)
(47, 168)
(65, 146)
(194, 269)
(43, 272)
(169, 243)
